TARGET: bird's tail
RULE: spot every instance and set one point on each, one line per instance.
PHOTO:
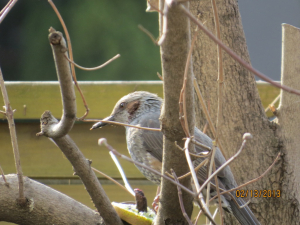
(244, 215)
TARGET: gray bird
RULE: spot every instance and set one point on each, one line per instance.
(143, 109)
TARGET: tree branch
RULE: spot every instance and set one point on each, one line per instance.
(44, 205)
(57, 131)
(9, 113)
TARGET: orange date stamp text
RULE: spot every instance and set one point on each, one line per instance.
(258, 193)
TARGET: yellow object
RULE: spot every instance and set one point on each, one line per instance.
(130, 214)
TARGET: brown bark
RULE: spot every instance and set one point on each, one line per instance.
(44, 205)
(174, 51)
(242, 109)
(57, 131)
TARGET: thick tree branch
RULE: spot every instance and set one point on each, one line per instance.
(58, 45)
(57, 131)
(44, 205)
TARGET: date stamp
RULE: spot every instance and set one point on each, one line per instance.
(258, 193)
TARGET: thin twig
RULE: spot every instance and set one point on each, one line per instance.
(164, 22)
(180, 199)
(200, 144)
(189, 173)
(220, 69)
(160, 76)
(273, 103)
(127, 185)
(245, 138)
(219, 196)
(253, 180)
(198, 217)
(13, 135)
(71, 58)
(212, 160)
(205, 110)
(111, 179)
(197, 155)
(2, 112)
(110, 148)
(6, 9)
(205, 128)
(214, 215)
(195, 180)
(147, 33)
(3, 176)
(93, 68)
(154, 7)
(182, 100)
(123, 124)
(235, 56)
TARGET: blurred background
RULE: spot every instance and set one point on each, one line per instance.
(101, 29)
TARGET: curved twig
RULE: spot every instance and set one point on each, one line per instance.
(93, 68)
(235, 56)
(72, 59)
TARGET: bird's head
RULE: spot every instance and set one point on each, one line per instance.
(132, 106)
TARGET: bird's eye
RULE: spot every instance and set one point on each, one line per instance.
(122, 105)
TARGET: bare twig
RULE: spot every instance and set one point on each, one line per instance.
(111, 179)
(219, 197)
(195, 179)
(214, 215)
(246, 137)
(147, 33)
(180, 199)
(197, 155)
(182, 100)
(200, 144)
(205, 128)
(212, 160)
(272, 103)
(189, 173)
(235, 56)
(123, 124)
(127, 185)
(6, 9)
(205, 110)
(154, 7)
(220, 69)
(110, 148)
(160, 76)
(93, 68)
(198, 217)
(71, 58)
(13, 135)
(164, 22)
(3, 176)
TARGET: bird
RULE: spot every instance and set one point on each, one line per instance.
(143, 109)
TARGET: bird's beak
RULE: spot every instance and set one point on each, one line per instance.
(102, 124)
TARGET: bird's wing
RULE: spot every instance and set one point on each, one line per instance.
(225, 176)
(152, 140)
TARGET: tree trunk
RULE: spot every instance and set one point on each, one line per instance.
(242, 108)
(174, 51)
